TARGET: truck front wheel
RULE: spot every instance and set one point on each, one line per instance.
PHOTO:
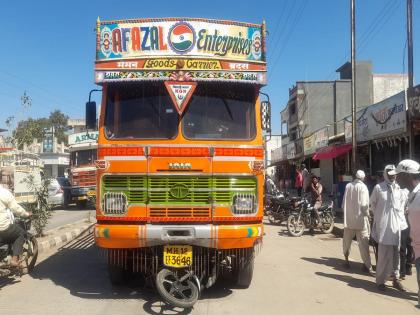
(117, 275)
(245, 271)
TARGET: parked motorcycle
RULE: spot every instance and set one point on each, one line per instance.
(29, 255)
(304, 218)
(280, 208)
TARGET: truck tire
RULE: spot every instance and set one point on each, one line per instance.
(117, 275)
(245, 272)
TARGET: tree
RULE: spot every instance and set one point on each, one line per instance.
(58, 120)
(30, 129)
(40, 208)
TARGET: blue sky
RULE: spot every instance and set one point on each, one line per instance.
(47, 48)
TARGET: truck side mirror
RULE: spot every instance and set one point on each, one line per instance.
(90, 115)
(266, 116)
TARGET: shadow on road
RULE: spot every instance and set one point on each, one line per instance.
(81, 268)
(368, 286)
(356, 269)
(338, 264)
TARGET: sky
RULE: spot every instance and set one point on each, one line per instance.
(47, 48)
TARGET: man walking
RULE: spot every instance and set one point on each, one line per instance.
(299, 181)
(306, 177)
(387, 201)
(406, 250)
(356, 220)
(316, 197)
(408, 176)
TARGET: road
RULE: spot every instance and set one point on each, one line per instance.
(292, 276)
(62, 216)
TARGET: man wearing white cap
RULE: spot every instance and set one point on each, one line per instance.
(408, 176)
(387, 204)
(356, 220)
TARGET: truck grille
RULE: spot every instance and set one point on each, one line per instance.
(193, 212)
(84, 178)
(196, 191)
(148, 260)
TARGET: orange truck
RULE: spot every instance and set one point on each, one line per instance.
(180, 151)
(83, 154)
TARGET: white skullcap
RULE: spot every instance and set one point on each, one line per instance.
(406, 166)
(360, 174)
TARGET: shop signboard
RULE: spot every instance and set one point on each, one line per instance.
(48, 141)
(83, 137)
(316, 140)
(380, 120)
(414, 102)
(277, 155)
(290, 151)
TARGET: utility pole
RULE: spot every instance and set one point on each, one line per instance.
(410, 69)
(353, 82)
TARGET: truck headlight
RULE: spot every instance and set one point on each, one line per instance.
(244, 204)
(114, 203)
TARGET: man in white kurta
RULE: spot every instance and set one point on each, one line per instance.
(408, 176)
(387, 205)
(356, 219)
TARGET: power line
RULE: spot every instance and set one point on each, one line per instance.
(381, 19)
(297, 17)
(277, 40)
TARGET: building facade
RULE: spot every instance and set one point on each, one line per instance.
(314, 122)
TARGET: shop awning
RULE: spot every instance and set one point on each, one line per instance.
(331, 152)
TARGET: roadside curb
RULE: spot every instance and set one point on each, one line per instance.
(61, 239)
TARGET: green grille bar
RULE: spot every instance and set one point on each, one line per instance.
(201, 189)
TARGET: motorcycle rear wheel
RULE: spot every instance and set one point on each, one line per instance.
(295, 225)
(271, 218)
(327, 224)
(176, 291)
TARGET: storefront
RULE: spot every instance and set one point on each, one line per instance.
(381, 134)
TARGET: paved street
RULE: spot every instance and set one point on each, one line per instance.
(292, 275)
(62, 216)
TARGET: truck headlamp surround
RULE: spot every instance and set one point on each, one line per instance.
(244, 204)
(114, 203)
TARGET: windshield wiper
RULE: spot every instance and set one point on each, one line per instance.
(227, 108)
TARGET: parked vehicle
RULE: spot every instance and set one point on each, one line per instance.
(30, 251)
(304, 218)
(16, 170)
(281, 206)
(59, 192)
(270, 192)
(83, 154)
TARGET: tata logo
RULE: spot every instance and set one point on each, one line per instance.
(180, 166)
(179, 191)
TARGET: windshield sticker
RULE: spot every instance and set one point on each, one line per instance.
(180, 93)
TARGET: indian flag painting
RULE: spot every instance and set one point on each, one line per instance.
(181, 37)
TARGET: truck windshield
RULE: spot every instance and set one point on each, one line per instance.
(221, 112)
(83, 157)
(140, 112)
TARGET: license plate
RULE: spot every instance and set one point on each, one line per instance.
(177, 256)
(91, 193)
(82, 198)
